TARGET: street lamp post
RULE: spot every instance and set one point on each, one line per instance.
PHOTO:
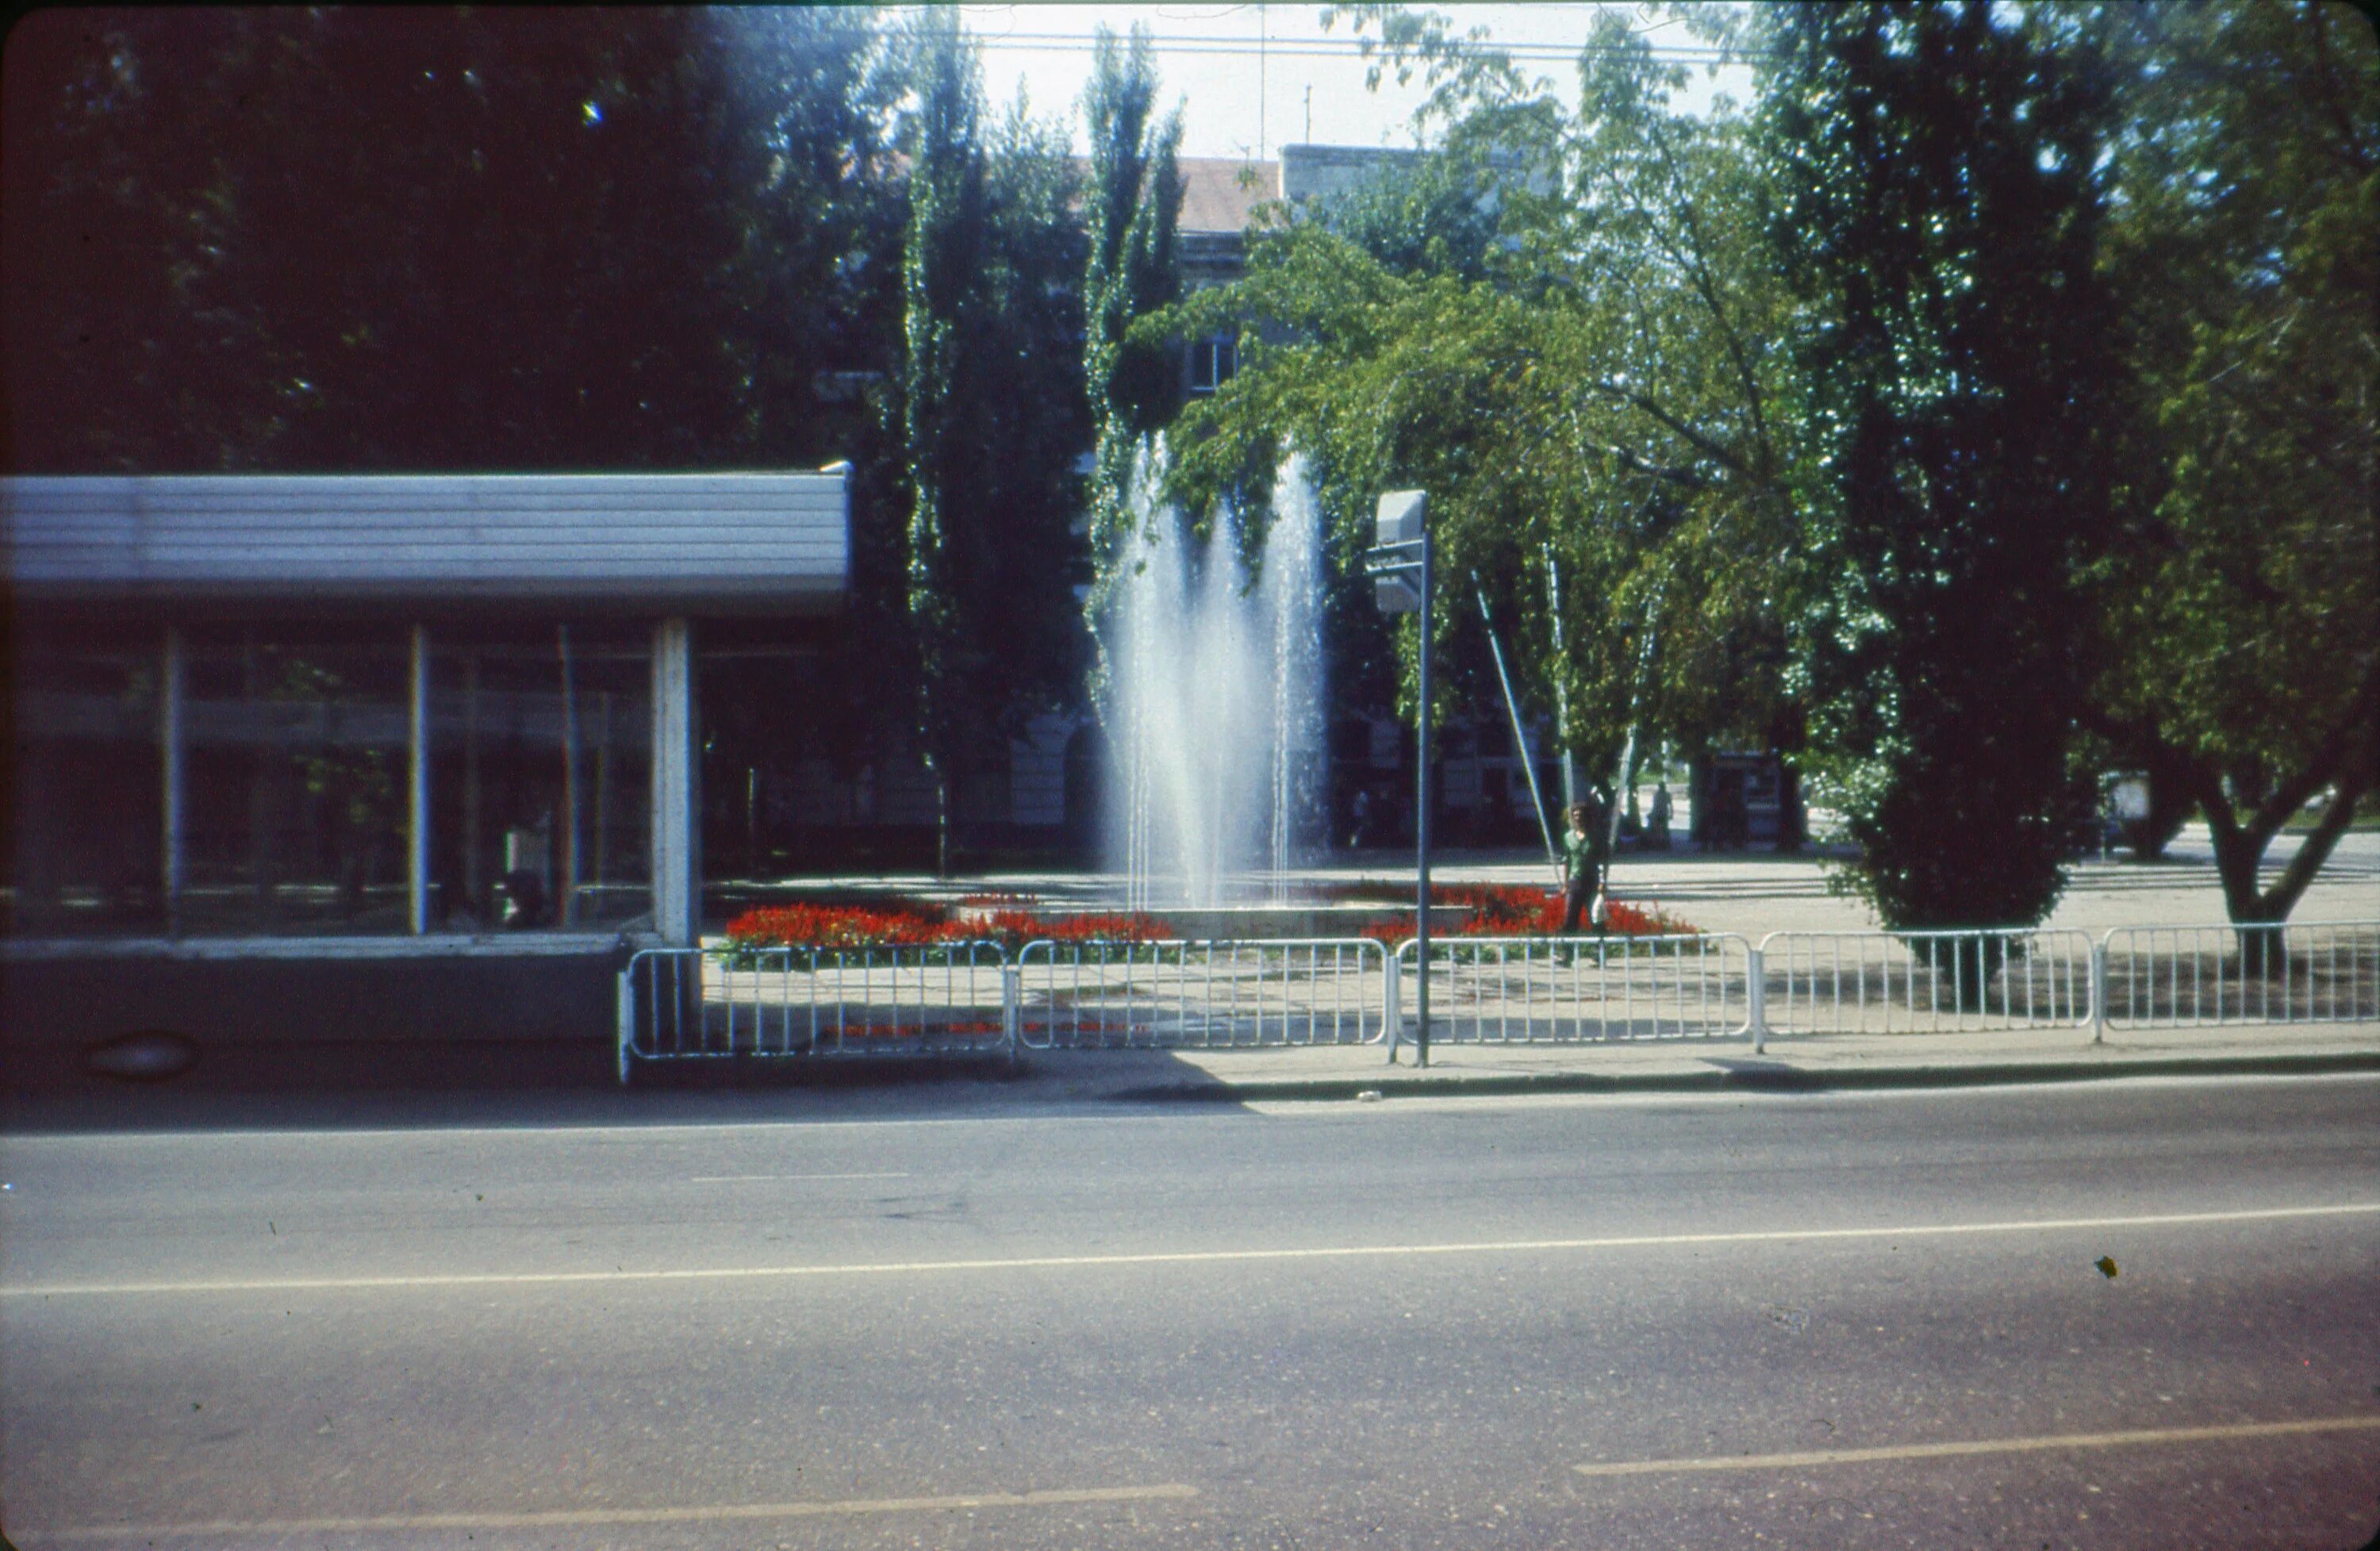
(1400, 566)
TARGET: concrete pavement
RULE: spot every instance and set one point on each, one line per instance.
(1329, 1073)
(2098, 1316)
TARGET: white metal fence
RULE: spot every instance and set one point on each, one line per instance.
(909, 999)
(973, 998)
(2315, 971)
(1924, 982)
(1204, 995)
(1551, 990)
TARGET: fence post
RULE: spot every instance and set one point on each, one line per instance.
(2099, 990)
(1389, 1009)
(1757, 970)
(1011, 994)
(627, 1019)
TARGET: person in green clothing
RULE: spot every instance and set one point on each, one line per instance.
(1582, 867)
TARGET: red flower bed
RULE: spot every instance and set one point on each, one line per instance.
(839, 926)
(911, 921)
(1519, 910)
(1018, 927)
(1491, 910)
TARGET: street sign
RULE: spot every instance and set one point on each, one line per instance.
(1400, 516)
(1396, 595)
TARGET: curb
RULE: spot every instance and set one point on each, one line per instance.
(1747, 1079)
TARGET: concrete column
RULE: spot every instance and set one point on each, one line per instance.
(678, 833)
(416, 829)
(173, 742)
(566, 903)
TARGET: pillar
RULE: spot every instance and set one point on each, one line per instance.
(173, 744)
(417, 827)
(677, 835)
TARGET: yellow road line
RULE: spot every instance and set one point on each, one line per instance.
(598, 1517)
(1986, 1445)
(1180, 1257)
(761, 1179)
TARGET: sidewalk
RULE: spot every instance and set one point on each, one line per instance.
(1791, 1063)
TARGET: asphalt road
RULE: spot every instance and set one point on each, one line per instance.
(1821, 1321)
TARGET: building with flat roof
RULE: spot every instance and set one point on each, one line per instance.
(370, 720)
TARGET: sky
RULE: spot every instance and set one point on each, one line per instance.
(1255, 76)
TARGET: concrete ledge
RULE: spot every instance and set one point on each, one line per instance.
(482, 945)
(1745, 1076)
(430, 998)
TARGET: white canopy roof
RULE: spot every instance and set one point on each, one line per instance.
(767, 542)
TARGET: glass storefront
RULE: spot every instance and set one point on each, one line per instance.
(85, 852)
(297, 764)
(296, 781)
(540, 787)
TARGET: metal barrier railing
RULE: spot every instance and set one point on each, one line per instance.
(1550, 990)
(1199, 994)
(900, 999)
(970, 997)
(1923, 982)
(2314, 972)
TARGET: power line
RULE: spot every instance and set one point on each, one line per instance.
(1350, 48)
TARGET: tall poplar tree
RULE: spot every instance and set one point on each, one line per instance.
(942, 141)
(1133, 268)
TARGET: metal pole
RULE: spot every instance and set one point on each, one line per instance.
(1421, 818)
(1561, 688)
(1513, 708)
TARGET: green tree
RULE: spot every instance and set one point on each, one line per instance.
(941, 138)
(990, 409)
(1588, 374)
(449, 239)
(1132, 268)
(2241, 612)
(1942, 210)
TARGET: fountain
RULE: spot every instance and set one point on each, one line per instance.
(1215, 719)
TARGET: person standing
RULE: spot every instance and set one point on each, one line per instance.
(1581, 869)
(1659, 819)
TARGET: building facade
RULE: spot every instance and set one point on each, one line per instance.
(260, 721)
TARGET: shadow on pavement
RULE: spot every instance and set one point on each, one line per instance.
(518, 1082)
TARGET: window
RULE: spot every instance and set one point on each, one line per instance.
(541, 744)
(295, 779)
(88, 777)
(296, 782)
(1212, 361)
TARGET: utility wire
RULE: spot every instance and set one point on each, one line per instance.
(1350, 48)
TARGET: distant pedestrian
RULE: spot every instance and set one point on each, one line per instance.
(1659, 817)
(1583, 855)
(1360, 829)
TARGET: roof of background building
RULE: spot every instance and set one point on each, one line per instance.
(1219, 192)
(768, 543)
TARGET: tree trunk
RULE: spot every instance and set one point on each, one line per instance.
(2170, 802)
(2258, 913)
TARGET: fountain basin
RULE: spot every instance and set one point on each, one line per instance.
(1263, 922)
